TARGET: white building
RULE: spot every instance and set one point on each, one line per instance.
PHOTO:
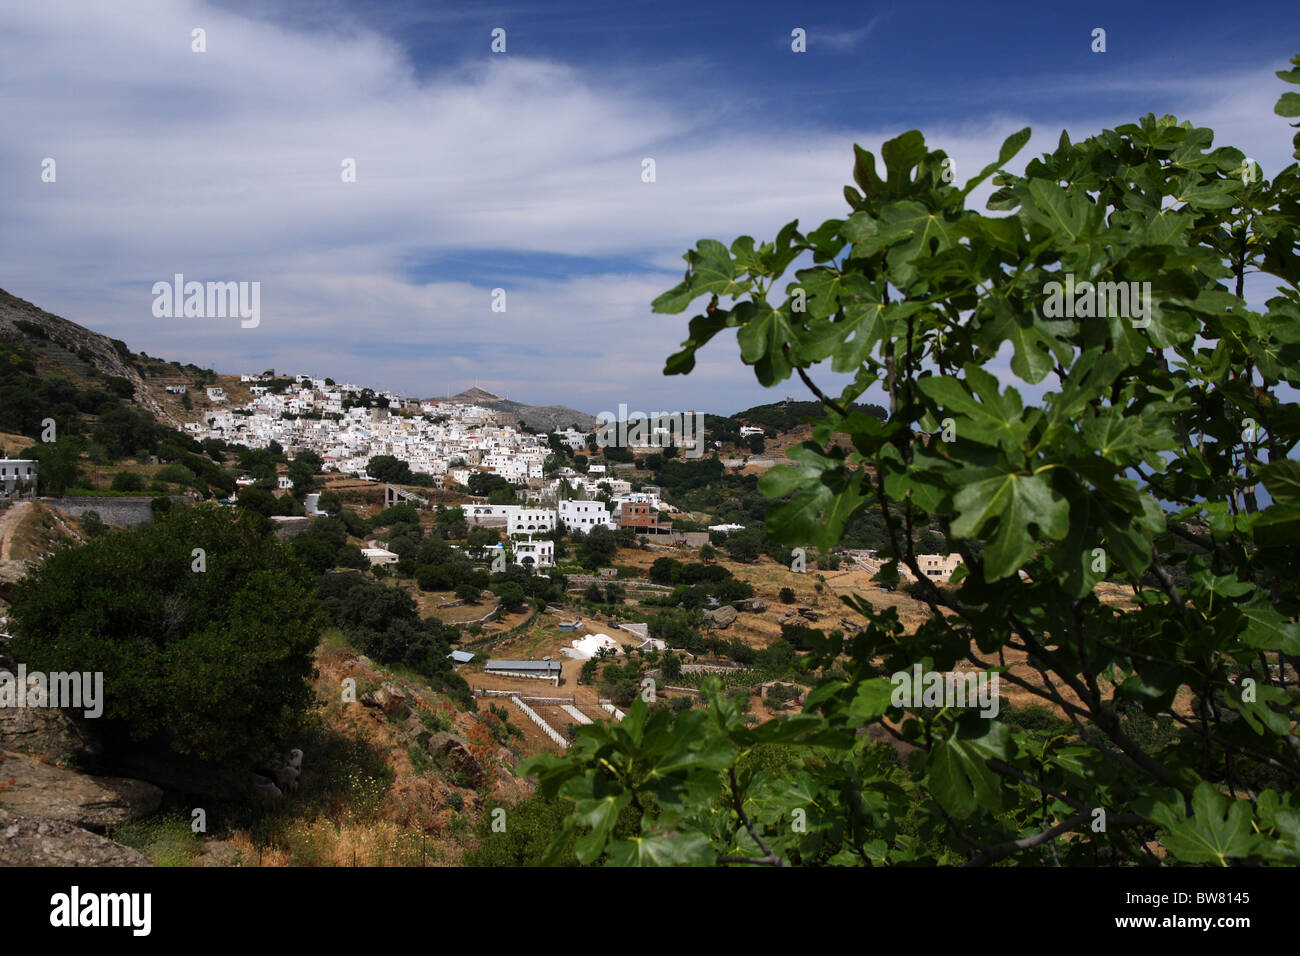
(377, 556)
(17, 477)
(574, 439)
(584, 515)
(539, 553)
(529, 520)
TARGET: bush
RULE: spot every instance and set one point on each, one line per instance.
(176, 474)
(93, 525)
(127, 481)
(212, 664)
(787, 595)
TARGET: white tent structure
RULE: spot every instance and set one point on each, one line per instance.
(585, 648)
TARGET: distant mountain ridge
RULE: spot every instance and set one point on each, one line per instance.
(541, 417)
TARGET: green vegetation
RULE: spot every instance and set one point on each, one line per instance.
(384, 623)
(206, 654)
(1164, 414)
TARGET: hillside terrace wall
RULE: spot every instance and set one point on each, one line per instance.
(118, 512)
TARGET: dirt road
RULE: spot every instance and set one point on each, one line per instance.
(9, 522)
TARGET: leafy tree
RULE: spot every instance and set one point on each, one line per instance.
(213, 663)
(744, 546)
(57, 471)
(532, 823)
(390, 469)
(257, 499)
(484, 484)
(672, 666)
(511, 595)
(598, 547)
(1162, 418)
(451, 523)
(733, 589)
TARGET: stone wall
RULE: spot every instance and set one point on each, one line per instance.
(119, 512)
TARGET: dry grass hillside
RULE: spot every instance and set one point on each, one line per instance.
(400, 777)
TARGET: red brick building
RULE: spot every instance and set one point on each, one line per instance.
(643, 517)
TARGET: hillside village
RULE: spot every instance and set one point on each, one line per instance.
(554, 582)
(662, 598)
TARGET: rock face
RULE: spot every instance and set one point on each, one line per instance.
(28, 841)
(453, 754)
(722, 617)
(36, 789)
(48, 733)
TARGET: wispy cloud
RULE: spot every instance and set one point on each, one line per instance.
(840, 40)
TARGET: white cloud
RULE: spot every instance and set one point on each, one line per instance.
(225, 165)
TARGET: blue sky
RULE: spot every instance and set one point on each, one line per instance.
(522, 171)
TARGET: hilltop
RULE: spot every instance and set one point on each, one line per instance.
(540, 417)
(86, 358)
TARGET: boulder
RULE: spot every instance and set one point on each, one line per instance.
(751, 606)
(33, 841)
(36, 789)
(453, 755)
(809, 614)
(389, 698)
(721, 618)
(47, 732)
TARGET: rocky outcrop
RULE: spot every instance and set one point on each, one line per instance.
(35, 789)
(32, 841)
(453, 754)
(389, 698)
(721, 618)
(48, 733)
